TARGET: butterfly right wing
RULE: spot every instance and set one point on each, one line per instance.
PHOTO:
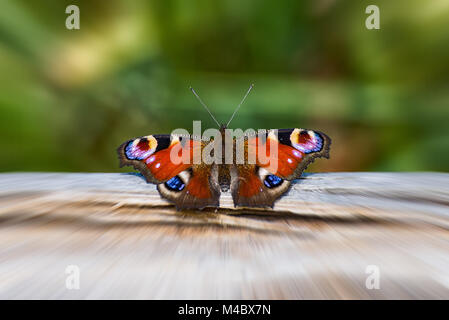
(184, 183)
(261, 183)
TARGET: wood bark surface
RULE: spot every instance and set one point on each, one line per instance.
(324, 239)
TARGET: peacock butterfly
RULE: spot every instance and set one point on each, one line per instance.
(256, 168)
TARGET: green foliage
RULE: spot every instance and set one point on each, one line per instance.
(68, 98)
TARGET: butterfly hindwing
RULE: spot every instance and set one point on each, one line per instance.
(194, 188)
(253, 186)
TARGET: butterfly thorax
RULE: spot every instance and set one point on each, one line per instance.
(224, 176)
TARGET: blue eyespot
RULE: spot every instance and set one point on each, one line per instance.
(175, 184)
(272, 181)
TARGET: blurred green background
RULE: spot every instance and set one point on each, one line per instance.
(68, 98)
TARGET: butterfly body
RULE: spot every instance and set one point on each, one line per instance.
(239, 168)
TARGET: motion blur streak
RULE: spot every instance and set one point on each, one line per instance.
(323, 240)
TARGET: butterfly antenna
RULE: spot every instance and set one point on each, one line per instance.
(205, 107)
(240, 104)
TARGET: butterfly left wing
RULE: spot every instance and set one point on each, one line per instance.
(262, 183)
(151, 155)
(184, 183)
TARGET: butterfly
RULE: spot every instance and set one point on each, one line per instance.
(255, 179)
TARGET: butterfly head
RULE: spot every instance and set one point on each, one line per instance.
(223, 127)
